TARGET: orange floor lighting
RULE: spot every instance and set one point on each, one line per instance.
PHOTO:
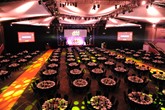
(9, 96)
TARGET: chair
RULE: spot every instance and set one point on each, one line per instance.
(87, 104)
(146, 91)
(112, 99)
(125, 97)
(126, 78)
(98, 92)
(69, 106)
(154, 96)
(129, 90)
(118, 83)
(89, 95)
(115, 79)
(66, 97)
(58, 95)
(110, 76)
(115, 105)
(58, 85)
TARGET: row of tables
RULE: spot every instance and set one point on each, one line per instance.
(98, 102)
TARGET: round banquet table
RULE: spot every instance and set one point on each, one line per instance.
(70, 56)
(129, 62)
(73, 65)
(13, 66)
(49, 74)
(52, 66)
(108, 84)
(100, 103)
(55, 104)
(54, 60)
(97, 72)
(85, 59)
(55, 56)
(142, 69)
(5, 61)
(46, 86)
(120, 58)
(4, 74)
(101, 59)
(109, 64)
(158, 63)
(112, 54)
(159, 77)
(136, 82)
(140, 100)
(22, 61)
(75, 73)
(80, 83)
(92, 65)
(135, 79)
(136, 55)
(120, 70)
(70, 59)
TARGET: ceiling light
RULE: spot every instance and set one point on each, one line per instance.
(143, 2)
(153, 25)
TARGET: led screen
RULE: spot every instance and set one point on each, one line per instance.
(26, 37)
(75, 36)
(124, 36)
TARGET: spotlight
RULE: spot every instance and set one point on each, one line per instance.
(94, 7)
(63, 5)
(98, 5)
(115, 6)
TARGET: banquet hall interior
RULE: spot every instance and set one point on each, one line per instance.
(82, 54)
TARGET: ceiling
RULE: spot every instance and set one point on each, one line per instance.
(82, 12)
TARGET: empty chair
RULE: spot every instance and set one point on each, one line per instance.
(115, 79)
(110, 76)
(154, 96)
(125, 97)
(87, 104)
(115, 105)
(146, 91)
(98, 92)
(129, 90)
(118, 84)
(66, 97)
(89, 95)
(58, 95)
(58, 85)
(112, 99)
(69, 106)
